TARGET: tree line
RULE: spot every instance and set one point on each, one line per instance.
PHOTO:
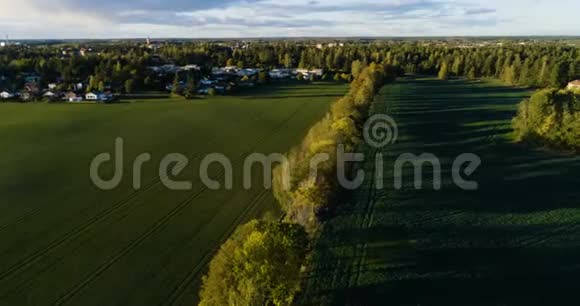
(124, 66)
(261, 263)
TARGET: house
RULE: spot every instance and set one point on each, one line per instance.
(91, 96)
(52, 95)
(308, 72)
(280, 73)
(574, 85)
(99, 96)
(247, 72)
(27, 96)
(32, 78)
(72, 97)
(190, 67)
(6, 95)
(31, 87)
(79, 86)
(207, 82)
(52, 86)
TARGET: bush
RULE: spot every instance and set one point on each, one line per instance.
(259, 265)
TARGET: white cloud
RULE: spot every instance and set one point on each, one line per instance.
(258, 18)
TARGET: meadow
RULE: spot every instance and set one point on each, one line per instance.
(513, 241)
(66, 242)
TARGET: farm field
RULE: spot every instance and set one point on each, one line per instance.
(64, 241)
(514, 241)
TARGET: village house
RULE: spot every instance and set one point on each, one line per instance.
(27, 96)
(190, 68)
(52, 95)
(247, 72)
(308, 72)
(31, 87)
(6, 95)
(31, 78)
(574, 85)
(99, 96)
(280, 73)
(79, 86)
(72, 97)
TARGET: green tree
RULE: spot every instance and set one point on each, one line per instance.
(287, 60)
(471, 73)
(357, 68)
(190, 87)
(258, 265)
(444, 71)
(263, 77)
(129, 85)
(101, 86)
(176, 86)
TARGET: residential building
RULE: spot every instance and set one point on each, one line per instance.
(574, 85)
(99, 96)
(6, 95)
(72, 97)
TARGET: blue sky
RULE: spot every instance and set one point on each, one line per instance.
(287, 18)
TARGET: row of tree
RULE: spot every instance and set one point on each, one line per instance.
(261, 263)
(309, 196)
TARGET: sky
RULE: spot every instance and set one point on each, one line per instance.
(43, 19)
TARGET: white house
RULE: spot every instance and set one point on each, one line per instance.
(280, 73)
(307, 72)
(72, 97)
(98, 96)
(79, 86)
(247, 72)
(91, 96)
(6, 95)
(52, 86)
(49, 94)
(574, 85)
(190, 67)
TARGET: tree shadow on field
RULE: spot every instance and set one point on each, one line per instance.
(513, 241)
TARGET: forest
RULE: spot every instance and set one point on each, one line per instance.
(113, 65)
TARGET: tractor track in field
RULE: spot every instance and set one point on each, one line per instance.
(197, 269)
(360, 250)
(81, 228)
(539, 239)
(75, 232)
(37, 210)
(163, 221)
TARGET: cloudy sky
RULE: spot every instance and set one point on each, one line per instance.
(287, 18)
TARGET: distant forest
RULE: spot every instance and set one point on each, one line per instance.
(535, 65)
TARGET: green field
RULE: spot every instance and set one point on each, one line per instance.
(64, 241)
(514, 241)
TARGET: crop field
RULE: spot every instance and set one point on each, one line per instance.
(63, 241)
(513, 241)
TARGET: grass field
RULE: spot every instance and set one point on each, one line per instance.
(63, 241)
(514, 241)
